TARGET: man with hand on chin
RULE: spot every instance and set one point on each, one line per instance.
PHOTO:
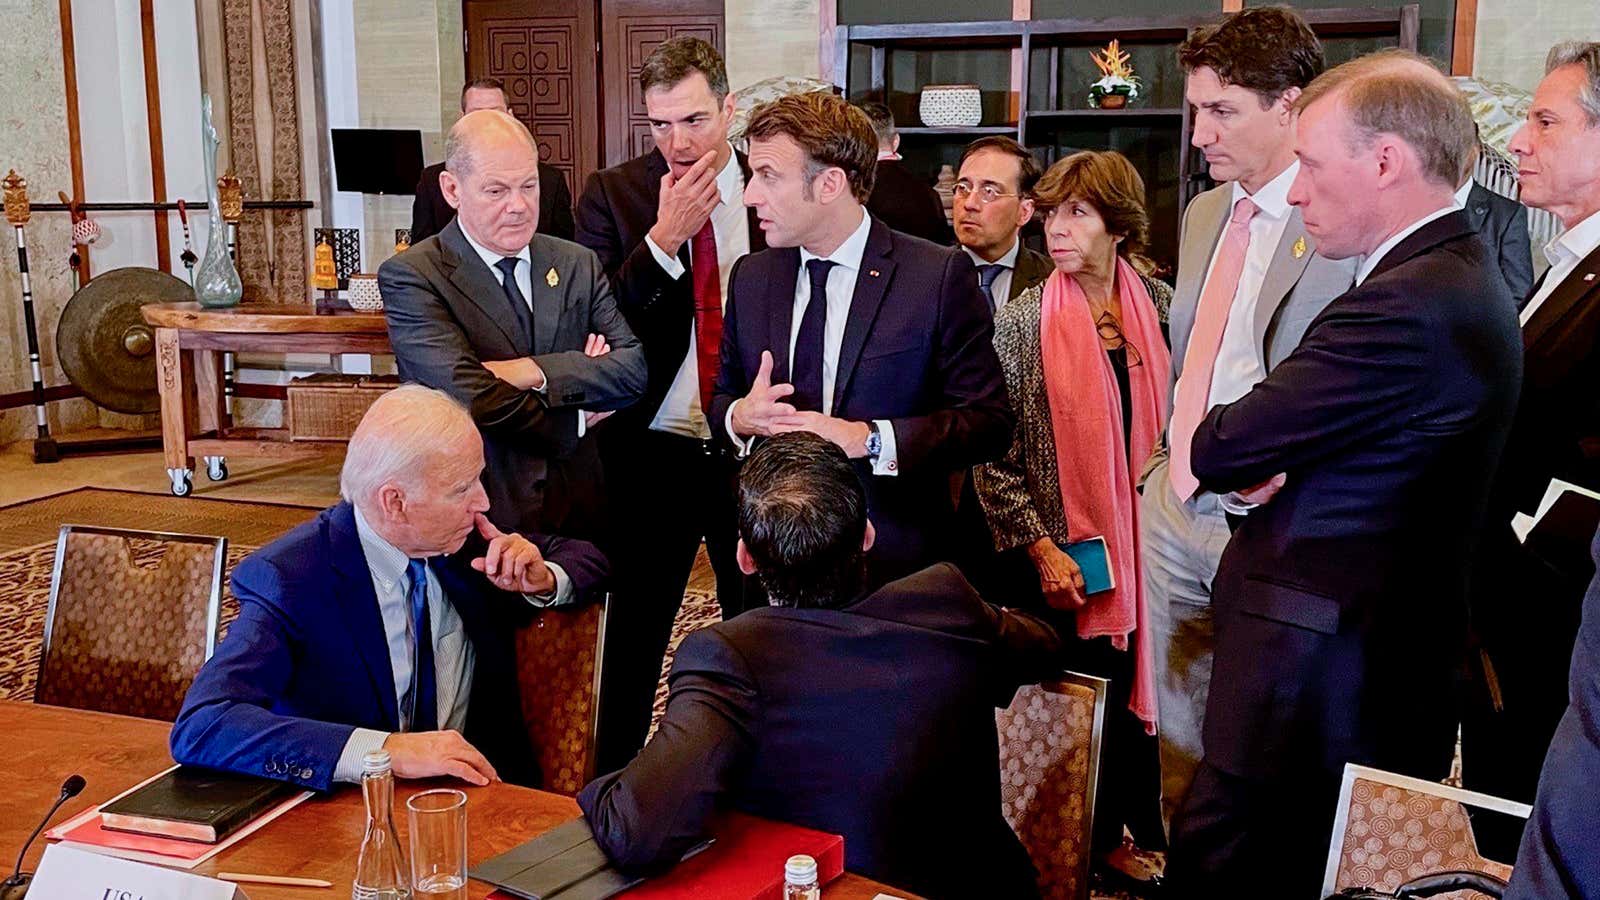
(387, 621)
(875, 340)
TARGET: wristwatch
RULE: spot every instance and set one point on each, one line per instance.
(874, 441)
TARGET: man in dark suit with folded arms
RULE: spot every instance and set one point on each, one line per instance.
(866, 714)
(875, 340)
(519, 327)
(324, 661)
(430, 212)
(1341, 598)
(1527, 596)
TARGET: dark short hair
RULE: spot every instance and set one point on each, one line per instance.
(677, 58)
(832, 133)
(1029, 170)
(1265, 49)
(882, 121)
(486, 83)
(1106, 180)
(802, 516)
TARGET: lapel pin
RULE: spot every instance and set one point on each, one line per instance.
(1299, 248)
(551, 278)
(874, 273)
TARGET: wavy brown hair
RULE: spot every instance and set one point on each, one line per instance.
(1107, 181)
(832, 133)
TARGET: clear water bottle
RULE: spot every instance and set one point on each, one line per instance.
(381, 870)
(800, 879)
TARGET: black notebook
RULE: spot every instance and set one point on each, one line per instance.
(564, 863)
(195, 804)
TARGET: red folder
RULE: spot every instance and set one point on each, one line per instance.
(745, 862)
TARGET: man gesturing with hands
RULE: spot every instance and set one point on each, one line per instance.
(386, 621)
(668, 226)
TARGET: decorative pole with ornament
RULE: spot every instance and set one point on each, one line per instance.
(17, 213)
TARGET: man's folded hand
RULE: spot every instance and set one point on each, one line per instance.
(428, 754)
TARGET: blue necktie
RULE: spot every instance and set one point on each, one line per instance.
(519, 303)
(805, 368)
(424, 693)
(986, 276)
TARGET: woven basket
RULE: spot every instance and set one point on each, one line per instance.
(327, 407)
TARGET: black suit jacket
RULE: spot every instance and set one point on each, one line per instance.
(1503, 224)
(615, 212)
(907, 204)
(1032, 268)
(918, 350)
(430, 214)
(306, 661)
(446, 313)
(875, 721)
(1340, 603)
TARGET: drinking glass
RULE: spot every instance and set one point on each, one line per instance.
(438, 821)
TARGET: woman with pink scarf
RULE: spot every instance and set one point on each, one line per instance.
(1087, 370)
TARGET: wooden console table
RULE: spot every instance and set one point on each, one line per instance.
(190, 341)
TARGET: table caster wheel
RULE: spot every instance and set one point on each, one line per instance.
(182, 482)
(217, 468)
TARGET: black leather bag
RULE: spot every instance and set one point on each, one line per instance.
(1430, 885)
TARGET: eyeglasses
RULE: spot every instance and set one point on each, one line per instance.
(1113, 339)
(986, 194)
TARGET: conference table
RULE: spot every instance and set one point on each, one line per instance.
(317, 839)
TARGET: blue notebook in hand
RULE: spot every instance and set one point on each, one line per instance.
(1094, 562)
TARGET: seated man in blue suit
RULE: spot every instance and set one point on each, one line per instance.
(863, 713)
(386, 621)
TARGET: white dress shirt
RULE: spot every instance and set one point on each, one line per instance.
(1001, 286)
(1241, 362)
(453, 655)
(1564, 253)
(683, 410)
(1462, 193)
(1376, 256)
(524, 284)
(841, 289)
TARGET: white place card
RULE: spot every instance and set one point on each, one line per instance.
(72, 874)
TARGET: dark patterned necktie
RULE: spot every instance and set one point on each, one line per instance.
(806, 365)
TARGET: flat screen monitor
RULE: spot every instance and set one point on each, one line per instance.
(377, 160)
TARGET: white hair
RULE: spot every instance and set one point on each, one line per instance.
(397, 438)
(1585, 54)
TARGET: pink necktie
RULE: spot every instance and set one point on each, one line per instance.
(1210, 319)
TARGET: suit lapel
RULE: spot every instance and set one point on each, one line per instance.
(549, 300)
(359, 606)
(1031, 269)
(1283, 272)
(872, 282)
(780, 318)
(1579, 283)
(1447, 227)
(475, 282)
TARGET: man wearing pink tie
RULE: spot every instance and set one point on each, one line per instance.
(1249, 282)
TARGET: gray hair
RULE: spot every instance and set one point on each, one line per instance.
(1401, 93)
(460, 145)
(1587, 55)
(400, 433)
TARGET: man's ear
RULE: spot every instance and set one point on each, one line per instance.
(747, 563)
(450, 187)
(1024, 211)
(869, 537)
(895, 147)
(392, 502)
(729, 104)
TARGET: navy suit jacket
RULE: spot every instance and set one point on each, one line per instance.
(918, 350)
(1341, 602)
(875, 721)
(1557, 858)
(306, 661)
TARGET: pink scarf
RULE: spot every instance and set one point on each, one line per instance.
(1096, 475)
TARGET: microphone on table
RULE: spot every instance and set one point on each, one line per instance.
(16, 886)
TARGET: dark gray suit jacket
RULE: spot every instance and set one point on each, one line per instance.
(1503, 224)
(446, 312)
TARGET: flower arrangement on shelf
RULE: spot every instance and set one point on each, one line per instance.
(1118, 86)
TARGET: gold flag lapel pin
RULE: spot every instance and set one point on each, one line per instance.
(1299, 248)
(551, 278)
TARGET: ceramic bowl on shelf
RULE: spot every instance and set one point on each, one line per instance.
(951, 106)
(363, 293)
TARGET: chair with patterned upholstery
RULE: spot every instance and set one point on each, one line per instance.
(1391, 829)
(1049, 764)
(132, 617)
(558, 668)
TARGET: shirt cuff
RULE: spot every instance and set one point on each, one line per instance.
(669, 264)
(741, 445)
(888, 463)
(560, 596)
(1233, 503)
(362, 740)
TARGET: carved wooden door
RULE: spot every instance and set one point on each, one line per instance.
(631, 29)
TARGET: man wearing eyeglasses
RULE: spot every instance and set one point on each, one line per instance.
(996, 177)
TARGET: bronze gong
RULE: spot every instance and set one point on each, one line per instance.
(102, 340)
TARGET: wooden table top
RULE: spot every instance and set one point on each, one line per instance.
(262, 318)
(317, 839)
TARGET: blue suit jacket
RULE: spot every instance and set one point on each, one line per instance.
(918, 350)
(306, 661)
